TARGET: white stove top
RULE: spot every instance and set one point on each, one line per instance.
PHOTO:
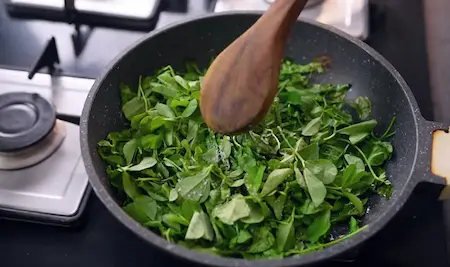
(56, 187)
(350, 16)
(139, 9)
(66, 93)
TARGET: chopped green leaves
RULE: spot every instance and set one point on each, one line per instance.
(323, 169)
(233, 210)
(263, 240)
(146, 163)
(129, 149)
(133, 107)
(286, 234)
(195, 187)
(200, 227)
(129, 186)
(316, 188)
(151, 141)
(353, 225)
(142, 209)
(359, 164)
(275, 191)
(312, 127)
(191, 108)
(253, 179)
(363, 107)
(355, 201)
(358, 132)
(319, 226)
(165, 111)
(380, 152)
(256, 215)
(299, 178)
(275, 178)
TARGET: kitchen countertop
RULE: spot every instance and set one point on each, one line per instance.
(416, 236)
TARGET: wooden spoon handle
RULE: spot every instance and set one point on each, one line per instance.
(240, 85)
(280, 17)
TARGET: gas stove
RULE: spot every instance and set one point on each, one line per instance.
(42, 177)
(43, 180)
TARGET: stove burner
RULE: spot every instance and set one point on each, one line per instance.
(34, 154)
(25, 119)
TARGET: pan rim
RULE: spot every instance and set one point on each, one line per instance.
(206, 259)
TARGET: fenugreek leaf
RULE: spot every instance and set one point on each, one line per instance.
(232, 195)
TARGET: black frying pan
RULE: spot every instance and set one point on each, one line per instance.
(352, 62)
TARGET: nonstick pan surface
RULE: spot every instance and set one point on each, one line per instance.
(353, 62)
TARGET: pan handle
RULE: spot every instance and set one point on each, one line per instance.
(68, 118)
(433, 161)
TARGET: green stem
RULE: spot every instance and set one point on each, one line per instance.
(219, 173)
(142, 94)
(332, 135)
(334, 191)
(172, 72)
(387, 132)
(276, 138)
(322, 246)
(278, 114)
(367, 162)
(293, 149)
(334, 187)
(147, 179)
(235, 142)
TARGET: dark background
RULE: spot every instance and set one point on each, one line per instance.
(416, 237)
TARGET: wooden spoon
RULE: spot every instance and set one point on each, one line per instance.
(241, 84)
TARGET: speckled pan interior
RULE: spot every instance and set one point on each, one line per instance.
(202, 38)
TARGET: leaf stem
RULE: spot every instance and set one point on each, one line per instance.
(332, 135)
(147, 179)
(365, 160)
(276, 138)
(278, 114)
(142, 94)
(235, 142)
(322, 246)
(334, 191)
(368, 164)
(334, 187)
(387, 133)
(293, 149)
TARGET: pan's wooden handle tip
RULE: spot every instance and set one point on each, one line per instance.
(440, 158)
